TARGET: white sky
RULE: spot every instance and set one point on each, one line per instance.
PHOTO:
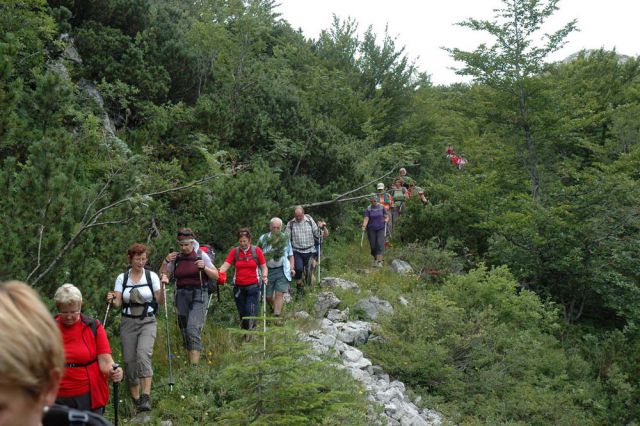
(423, 26)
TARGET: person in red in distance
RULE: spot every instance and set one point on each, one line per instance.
(249, 262)
(88, 361)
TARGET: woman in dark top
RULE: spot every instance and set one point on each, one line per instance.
(191, 268)
(375, 221)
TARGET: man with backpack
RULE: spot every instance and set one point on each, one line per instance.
(305, 236)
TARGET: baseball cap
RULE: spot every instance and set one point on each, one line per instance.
(380, 185)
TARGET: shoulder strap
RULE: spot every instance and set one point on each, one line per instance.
(125, 279)
(92, 323)
(235, 260)
(254, 254)
(147, 274)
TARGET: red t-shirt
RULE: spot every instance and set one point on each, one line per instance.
(81, 347)
(246, 268)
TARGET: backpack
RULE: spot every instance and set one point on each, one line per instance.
(210, 283)
(254, 255)
(387, 200)
(61, 415)
(398, 194)
(153, 303)
(309, 220)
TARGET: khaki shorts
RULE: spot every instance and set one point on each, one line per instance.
(277, 281)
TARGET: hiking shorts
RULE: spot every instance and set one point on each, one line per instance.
(277, 281)
(137, 336)
(376, 241)
(191, 303)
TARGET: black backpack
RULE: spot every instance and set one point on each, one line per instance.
(61, 415)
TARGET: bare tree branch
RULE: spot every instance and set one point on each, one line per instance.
(92, 221)
(340, 199)
(40, 236)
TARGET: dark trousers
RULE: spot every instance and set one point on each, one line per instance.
(190, 304)
(80, 402)
(376, 241)
(300, 261)
(247, 300)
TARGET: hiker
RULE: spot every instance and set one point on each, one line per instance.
(191, 269)
(88, 361)
(450, 151)
(375, 217)
(305, 236)
(399, 194)
(386, 201)
(139, 291)
(421, 196)
(406, 180)
(250, 265)
(276, 246)
(31, 359)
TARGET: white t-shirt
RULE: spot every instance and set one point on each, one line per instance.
(144, 290)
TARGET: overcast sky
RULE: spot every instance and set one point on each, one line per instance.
(423, 26)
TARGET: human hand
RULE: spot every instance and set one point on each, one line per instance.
(110, 296)
(116, 374)
(171, 257)
(222, 278)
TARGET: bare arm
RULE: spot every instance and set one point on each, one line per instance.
(105, 362)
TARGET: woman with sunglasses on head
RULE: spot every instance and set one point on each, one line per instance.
(88, 361)
(139, 292)
(191, 269)
(248, 261)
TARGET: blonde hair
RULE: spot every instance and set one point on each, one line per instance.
(29, 338)
(66, 294)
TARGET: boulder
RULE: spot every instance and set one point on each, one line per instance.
(403, 301)
(372, 307)
(401, 267)
(337, 315)
(353, 332)
(325, 301)
(332, 282)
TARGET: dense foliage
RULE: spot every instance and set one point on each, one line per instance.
(217, 114)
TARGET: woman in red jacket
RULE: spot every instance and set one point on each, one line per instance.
(248, 261)
(88, 361)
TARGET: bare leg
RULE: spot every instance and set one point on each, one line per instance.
(278, 303)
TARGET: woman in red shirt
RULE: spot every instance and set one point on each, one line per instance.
(88, 361)
(246, 291)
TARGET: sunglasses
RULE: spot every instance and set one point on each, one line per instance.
(185, 234)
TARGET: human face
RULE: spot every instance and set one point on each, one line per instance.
(18, 408)
(244, 242)
(299, 214)
(69, 313)
(186, 246)
(138, 261)
(276, 227)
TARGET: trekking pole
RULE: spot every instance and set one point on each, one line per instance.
(116, 397)
(106, 314)
(319, 258)
(360, 252)
(169, 355)
(264, 316)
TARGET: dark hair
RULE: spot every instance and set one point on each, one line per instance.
(243, 232)
(136, 249)
(185, 232)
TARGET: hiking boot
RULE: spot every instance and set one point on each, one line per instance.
(380, 264)
(145, 402)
